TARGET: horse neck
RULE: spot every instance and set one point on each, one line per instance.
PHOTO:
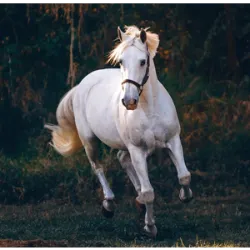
(150, 89)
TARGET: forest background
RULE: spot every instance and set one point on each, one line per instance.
(203, 61)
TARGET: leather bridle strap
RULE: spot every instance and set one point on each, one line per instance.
(144, 80)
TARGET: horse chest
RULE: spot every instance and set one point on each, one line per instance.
(151, 132)
(160, 129)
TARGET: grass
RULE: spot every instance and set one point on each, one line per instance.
(224, 223)
(48, 200)
(55, 201)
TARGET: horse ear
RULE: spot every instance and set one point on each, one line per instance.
(143, 36)
(121, 35)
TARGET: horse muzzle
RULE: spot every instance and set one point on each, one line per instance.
(130, 104)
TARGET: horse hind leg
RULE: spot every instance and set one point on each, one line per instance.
(91, 149)
(91, 143)
(125, 161)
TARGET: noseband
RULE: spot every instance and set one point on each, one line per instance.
(144, 80)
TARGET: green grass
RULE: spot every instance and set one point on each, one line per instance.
(202, 223)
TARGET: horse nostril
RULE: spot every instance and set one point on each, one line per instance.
(123, 102)
(132, 101)
(128, 102)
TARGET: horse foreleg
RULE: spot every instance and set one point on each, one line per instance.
(92, 153)
(184, 176)
(146, 195)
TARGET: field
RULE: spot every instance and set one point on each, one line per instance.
(48, 200)
(214, 222)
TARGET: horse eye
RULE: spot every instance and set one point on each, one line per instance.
(120, 61)
(143, 62)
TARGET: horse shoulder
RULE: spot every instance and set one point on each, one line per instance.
(166, 112)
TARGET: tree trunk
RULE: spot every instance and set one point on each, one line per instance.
(231, 46)
(71, 74)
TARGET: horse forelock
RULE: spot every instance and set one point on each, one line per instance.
(133, 38)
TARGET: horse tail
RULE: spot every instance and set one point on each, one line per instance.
(65, 138)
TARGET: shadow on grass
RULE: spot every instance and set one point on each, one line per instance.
(201, 223)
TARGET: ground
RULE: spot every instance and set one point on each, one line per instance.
(215, 221)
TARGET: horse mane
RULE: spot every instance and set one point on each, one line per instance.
(134, 33)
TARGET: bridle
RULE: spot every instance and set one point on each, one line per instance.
(144, 80)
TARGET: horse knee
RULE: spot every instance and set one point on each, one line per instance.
(146, 196)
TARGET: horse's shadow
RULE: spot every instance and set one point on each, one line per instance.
(174, 228)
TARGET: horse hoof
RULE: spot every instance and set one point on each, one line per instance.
(150, 231)
(108, 208)
(186, 195)
(140, 207)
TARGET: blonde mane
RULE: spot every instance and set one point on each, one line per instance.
(133, 34)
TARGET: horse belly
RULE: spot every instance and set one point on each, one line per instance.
(101, 118)
(108, 135)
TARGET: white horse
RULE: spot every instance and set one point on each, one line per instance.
(127, 109)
